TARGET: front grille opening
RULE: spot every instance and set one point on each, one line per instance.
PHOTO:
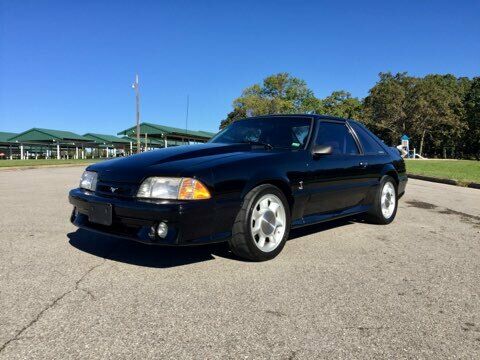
(116, 190)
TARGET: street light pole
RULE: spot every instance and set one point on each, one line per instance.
(135, 86)
(186, 116)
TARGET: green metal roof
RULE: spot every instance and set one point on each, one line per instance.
(37, 134)
(5, 136)
(105, 138)
(155, 129)
(153, 141)
(208, 133)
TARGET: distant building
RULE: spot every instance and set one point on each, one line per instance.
(167, 135)
(49, 143)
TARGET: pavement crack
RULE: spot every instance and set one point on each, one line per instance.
(33, 321)
(51, 305)
(89, 293)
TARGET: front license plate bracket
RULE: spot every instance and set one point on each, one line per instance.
(100, 214)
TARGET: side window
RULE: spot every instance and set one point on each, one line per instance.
(299, 136)
(338, 137)
(370, 145)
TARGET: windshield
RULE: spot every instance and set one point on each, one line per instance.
(285, 133)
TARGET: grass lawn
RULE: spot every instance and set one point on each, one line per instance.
(44, 162)
(464, 171)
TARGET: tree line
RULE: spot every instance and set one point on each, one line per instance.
(440, 113)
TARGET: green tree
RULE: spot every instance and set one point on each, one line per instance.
(385, 106)
(278, 94)
(472, 117)
(436, 111)
(235, 114)
(342, 104)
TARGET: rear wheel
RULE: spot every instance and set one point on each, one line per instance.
(262, 224)
(385, 203)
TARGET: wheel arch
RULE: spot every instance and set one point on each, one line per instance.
(390, 170)
(281, 183)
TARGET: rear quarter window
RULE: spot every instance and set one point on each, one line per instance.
(370, 145)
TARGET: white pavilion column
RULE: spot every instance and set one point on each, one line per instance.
(83, 153)
(108, 155)
(131, 148)
(76, 152)
(58, 151)
(114, 152)
(21, 152)
(165, 141)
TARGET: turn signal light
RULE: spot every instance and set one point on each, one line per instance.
(192, 189)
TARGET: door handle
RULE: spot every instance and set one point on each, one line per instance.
(363, 164)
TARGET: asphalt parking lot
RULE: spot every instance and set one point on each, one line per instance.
(344, 290)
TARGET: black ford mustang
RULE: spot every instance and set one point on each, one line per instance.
(249, 185)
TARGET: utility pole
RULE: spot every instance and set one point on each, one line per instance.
(186, 116)
(135, 86)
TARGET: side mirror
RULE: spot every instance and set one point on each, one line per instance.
(320, 150)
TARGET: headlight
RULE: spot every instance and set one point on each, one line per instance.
(89, 180)
(173, 188)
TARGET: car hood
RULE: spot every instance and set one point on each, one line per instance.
(172, 161)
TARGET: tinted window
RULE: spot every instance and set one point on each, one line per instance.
(370, 145)
(338, 137)
(284, 132)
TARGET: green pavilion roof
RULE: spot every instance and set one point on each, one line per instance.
(6, 136)
(106, 138)
(162, 130)
(38, 134)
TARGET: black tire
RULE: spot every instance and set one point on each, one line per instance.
(375, 215)
(242, 243)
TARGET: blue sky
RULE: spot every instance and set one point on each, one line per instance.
(69, 64)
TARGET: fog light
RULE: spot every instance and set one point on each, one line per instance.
(162, 230)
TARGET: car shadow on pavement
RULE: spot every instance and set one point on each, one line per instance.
(134, 253)
(130, 252)
(317, 228)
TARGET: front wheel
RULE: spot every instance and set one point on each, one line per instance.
(262, 224)
(385, 204)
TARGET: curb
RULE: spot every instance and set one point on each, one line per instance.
(30, 167)
(474, 185)
(444, 181)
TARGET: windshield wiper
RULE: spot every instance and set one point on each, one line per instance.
(267, 145)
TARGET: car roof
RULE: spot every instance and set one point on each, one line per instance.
(315, 116)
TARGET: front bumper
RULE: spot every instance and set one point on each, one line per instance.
(189, 222)
(402, 184)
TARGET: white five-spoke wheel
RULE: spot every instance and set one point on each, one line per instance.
(388, 200)
(384, 204)
(267, 224)
(262, 224)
